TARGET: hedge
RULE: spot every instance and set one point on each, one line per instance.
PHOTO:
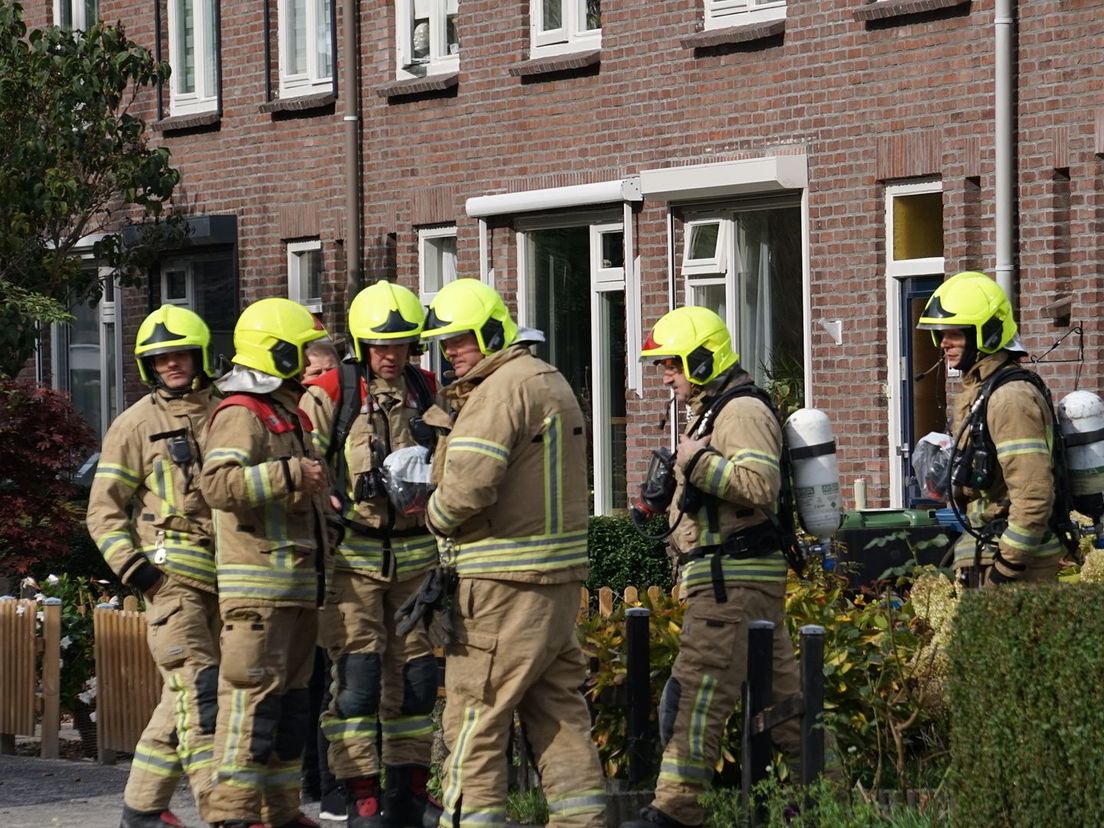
(619, 557)
(1028, 717)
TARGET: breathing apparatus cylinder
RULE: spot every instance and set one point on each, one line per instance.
(812, 449)
(1081, 418)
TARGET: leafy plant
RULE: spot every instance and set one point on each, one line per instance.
(620, 557)
(42, 442)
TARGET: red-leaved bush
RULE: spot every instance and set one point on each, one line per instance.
(43, 440)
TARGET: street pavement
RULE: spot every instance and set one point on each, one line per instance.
(44, 793)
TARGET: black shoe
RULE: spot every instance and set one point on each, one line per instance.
(406, 800)
(149, 819)
(651, 817)
(333, 805)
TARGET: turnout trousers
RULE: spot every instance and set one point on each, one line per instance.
(263, 712)
(704, 690)
(381, 684)
(183, 634)
(517, 650)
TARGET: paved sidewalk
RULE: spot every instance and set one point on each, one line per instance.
(44, 793)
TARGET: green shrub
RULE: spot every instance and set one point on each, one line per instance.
(1024, 686)
(620, 557)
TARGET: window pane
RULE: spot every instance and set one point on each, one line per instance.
(593, 15)
(217, 301)
(311, 275)
(91, 13)
(84, 364)
(185, 46)
(323, 37)
(552, 14)
(295, 32)
(65, 15)
(613, 308)
(208, 46)
(176, 286)
(613, 250)
(918, 226)
(452, 35)
(440, 262)
(771, 337)
(111, 367)
(710, 296)
(703, 240)
(419, 40)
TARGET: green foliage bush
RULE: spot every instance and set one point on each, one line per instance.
(620, 557)
(1025, 675)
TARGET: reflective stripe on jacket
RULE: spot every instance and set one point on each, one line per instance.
(741, 472)
(270, 534)
(141, 507)
(360, 552)
(511, 499)
(1021, 426)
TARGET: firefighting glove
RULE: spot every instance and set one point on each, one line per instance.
(1004, 571)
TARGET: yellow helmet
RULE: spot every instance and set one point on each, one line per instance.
(469, 305)
(270, 336)
(971, 300)
(384, 314)
(170, 328)
(695, 336)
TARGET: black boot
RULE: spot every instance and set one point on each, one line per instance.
(406, 800)
(149, 819)
(364, 802)
(652, 817)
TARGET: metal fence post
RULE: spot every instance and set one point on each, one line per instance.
(638, 681)
(757, 694)
(812, 692)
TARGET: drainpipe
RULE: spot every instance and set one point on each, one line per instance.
(353, 185)
(1005, 161)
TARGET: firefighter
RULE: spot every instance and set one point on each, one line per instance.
(1009, 454)
(147, 516)
(510, 510)
(732, 567)
(267, 492)
(385, 685)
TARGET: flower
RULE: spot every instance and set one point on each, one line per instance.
(66, 642)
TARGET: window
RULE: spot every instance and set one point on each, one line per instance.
(192, 54)
(561, 26)
(427, 38)
(86, 359)
(306, 47)
(208, 285)
(436, 268)
(76, 15)
(305, 271)
(720, 14)
(572, 287)
(744, 262)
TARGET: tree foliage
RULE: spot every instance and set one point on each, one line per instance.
(74, 164)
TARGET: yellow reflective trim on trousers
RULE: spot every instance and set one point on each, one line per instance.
(484, 448)
(454, 772)
(581, 802)
(686, 771)
(406, 727)
(166, 765)
(552, 441)
(229, 770)
(699, 716)
(482, 816)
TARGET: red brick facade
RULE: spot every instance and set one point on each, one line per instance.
(870, 92)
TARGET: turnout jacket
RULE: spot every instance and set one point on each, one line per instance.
(511, 497)
(272, 537)
(1021, 427)
(376, 534)
(739, 474)
(145, 511)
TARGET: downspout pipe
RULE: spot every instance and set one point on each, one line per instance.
(1004, 152)
(353, 184)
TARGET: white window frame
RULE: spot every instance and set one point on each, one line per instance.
(206, 45)
(718, 262)
(297, 287)
(431, 358)
(721, 14)
(188, 299)
(896, 271)
(602, 280)
(568, 37)
(311, 81)
(78, 15)
(440, 62)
